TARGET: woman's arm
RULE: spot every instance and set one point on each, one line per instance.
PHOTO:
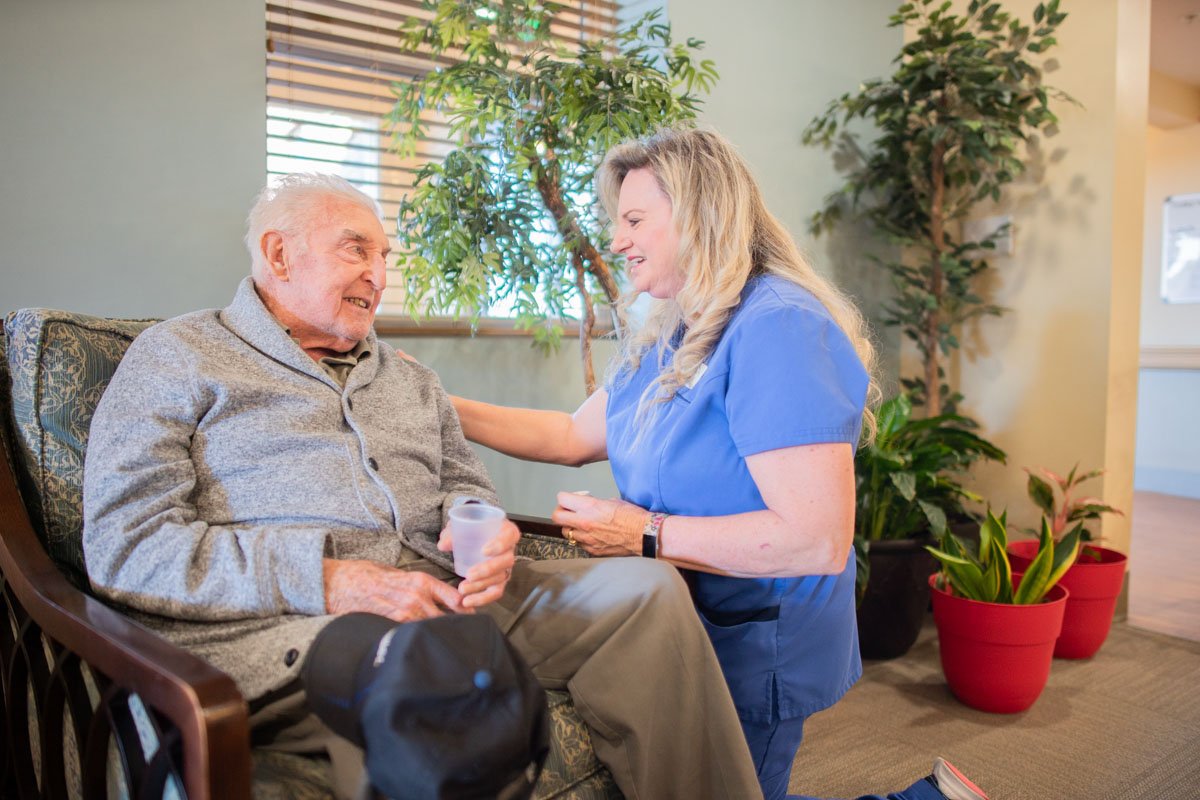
(554, 437)
(806, 529)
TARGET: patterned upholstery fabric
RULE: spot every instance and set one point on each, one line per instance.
(572, 770)
(288, 776)
(60, 365)
(542, 548)
(5, 401)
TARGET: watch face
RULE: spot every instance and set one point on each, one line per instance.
(650, 545)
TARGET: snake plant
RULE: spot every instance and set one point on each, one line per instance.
(985, 574)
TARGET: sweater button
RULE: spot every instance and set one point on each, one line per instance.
(374, 464)
(290, 657)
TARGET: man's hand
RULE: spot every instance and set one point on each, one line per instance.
(485, 582)
(396, 594)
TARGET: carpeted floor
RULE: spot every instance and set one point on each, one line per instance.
(1124, 725)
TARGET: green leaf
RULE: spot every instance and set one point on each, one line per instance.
(961, 569)
(1092, 509)
(1065, 553)
(1042, 494)
(963, 574)
(1000, 565)
(999, 528)
(905, 483)
(893, 414)
(1035, 582)
(935, 516)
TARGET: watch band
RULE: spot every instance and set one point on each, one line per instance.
(650, 540)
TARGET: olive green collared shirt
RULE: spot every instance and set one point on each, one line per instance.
(339, 367)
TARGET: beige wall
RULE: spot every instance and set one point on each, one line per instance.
(1054, 381)
(1173, 103)
(781, 63)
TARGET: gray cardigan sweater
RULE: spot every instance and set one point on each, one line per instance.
(224, 463)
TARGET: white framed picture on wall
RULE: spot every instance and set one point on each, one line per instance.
(1181, 249)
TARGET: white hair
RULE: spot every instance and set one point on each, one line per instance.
(290, 203)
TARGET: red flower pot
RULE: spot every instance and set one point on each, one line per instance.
(996, 656)
(1093, 585)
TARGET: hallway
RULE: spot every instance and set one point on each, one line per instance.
(1164, 581)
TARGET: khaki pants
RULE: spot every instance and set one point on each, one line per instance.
(622, 637)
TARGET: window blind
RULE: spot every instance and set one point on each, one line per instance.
(330, 67)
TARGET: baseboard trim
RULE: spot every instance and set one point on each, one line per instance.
(1157, 357)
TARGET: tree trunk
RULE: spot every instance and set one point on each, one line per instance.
(937, 235)
(584, 257)
(573, 236)
(585, 325)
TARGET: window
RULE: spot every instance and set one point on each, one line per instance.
(330, 69)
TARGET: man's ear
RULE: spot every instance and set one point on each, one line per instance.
(273, 251)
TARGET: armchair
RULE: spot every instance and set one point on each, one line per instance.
(94, 704)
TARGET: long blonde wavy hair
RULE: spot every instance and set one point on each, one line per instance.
(726, 237)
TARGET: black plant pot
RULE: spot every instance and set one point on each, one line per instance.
(891, 612)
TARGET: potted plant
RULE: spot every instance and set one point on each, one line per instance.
(948, 129)
(997, 628)
(908, 491)
(1095, 579)
(508, 215)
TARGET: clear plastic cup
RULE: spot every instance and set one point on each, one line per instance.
(471, 527)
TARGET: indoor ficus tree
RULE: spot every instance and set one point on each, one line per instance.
(951, 124)
(509, 214)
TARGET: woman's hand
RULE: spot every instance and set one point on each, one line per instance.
(485, 581)
(601, 527)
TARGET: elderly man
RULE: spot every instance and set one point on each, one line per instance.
(254, 470)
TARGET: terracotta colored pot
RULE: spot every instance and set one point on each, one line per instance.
(996, 656)
(1093, 587)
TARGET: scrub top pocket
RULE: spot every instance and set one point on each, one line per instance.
(746, 643)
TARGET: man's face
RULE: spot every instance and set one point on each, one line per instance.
(336, 272)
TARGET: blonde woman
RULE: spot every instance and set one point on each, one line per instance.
(730, 420)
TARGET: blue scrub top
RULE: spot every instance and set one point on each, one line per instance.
(782, 374)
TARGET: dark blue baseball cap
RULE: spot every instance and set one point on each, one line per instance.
(443, 708)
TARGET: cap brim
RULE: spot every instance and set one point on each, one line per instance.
(338, 665)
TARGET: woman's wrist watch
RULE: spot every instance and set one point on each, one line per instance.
(650, 541)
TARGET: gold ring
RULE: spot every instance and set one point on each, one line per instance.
(570, 534)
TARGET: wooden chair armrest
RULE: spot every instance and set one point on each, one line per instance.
(542, 540)
(202, 702)
(538, 525)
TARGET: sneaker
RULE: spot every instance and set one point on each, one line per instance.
(953, 784)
